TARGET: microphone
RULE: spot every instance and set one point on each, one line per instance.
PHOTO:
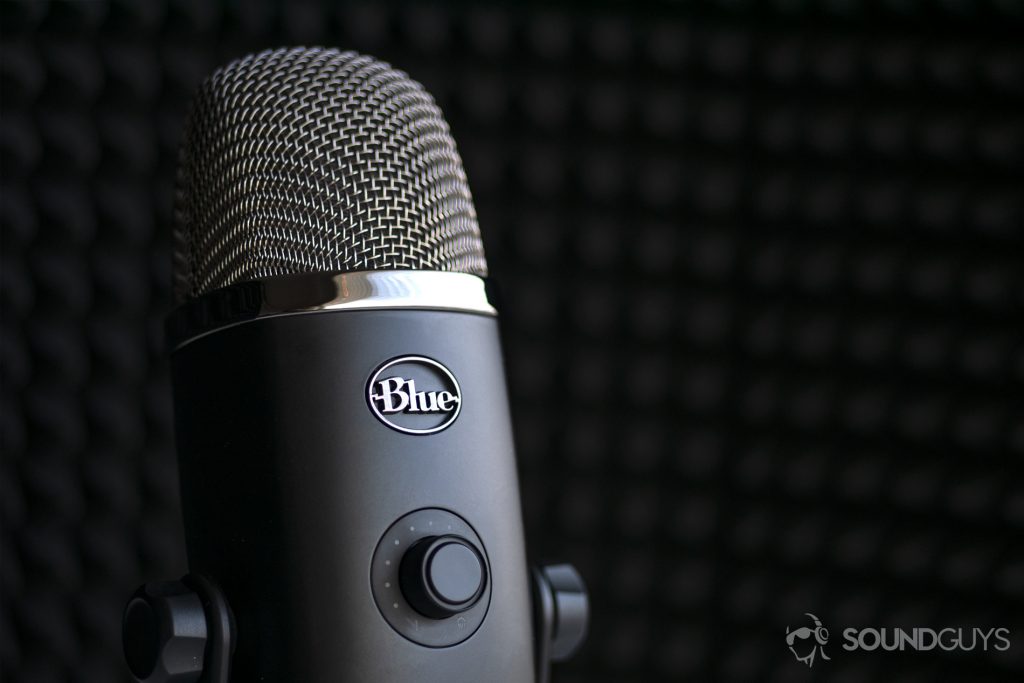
(348, 476)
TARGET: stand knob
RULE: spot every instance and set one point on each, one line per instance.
(164, 633)
(178, 632)
(442, 576)
(561, 614)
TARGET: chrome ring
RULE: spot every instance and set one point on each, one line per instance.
(323, 292)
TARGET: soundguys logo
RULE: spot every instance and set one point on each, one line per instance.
(414, 395)
(893, 639)
(818, 635)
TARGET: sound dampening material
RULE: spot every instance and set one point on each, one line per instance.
(764, 353)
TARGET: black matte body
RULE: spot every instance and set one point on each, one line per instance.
(288, 482)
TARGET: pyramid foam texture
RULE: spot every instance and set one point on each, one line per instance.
(763, 288)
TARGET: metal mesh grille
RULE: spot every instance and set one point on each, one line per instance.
(301, 160)
(765, 351)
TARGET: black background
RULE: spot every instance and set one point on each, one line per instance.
(763, 297)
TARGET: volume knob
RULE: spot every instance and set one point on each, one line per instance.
(442, 575)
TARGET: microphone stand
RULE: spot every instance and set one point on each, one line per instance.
(183, 631)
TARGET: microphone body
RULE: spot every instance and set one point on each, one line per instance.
(290, 483)
(347, 471)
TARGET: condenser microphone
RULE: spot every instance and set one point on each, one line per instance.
(348, 477)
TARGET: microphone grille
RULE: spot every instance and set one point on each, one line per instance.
(313, 160)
